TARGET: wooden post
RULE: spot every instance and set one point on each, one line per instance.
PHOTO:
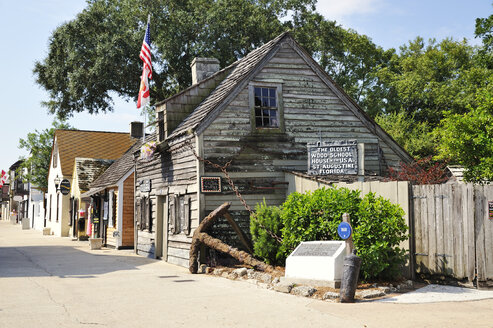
(349, 241)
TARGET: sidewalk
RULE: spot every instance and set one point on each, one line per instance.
(48, 281)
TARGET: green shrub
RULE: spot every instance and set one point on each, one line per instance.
(378, 227)
(265, 246)
(315, 215)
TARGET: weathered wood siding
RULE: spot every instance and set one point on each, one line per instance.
(172, 172)
(454, 235)
(128, 212)
(311, 110)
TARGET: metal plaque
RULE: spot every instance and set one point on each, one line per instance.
(316, 249)
(344, 230)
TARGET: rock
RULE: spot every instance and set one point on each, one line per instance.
(283, 287)
(240, 272)
(374, 285)
(202, 268)
(306, 291)
(330, 296)
(265, 278)
(217, 272)
(385, 290)
(225, 274)
(251, 273)
(393, 289)
(409, 284)
(276, 280)
(370, 293)
(232, 275)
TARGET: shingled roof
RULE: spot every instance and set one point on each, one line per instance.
(88, 169)
(245, 68)
(117, 170)
(89, 144)
(121, 166)
(241, 71)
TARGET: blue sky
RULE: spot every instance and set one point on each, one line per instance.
(26, 26)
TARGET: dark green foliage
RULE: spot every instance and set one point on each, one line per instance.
(379, 229)
(315, 215)
(378, 226)
(38, 144)
(265, 246)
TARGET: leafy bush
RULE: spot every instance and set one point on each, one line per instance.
(378, 231)
(315, 215)
(378, 227)
(266, 219)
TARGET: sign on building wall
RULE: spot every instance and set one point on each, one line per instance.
(333, 158)
(65, 187)
(210, 184)
(145, 185)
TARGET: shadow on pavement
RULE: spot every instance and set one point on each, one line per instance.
(62, 261)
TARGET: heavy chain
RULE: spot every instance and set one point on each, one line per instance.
(223, 169)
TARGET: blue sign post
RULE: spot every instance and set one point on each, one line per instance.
(344, 230)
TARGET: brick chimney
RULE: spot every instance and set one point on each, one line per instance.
(202, 68)
(136, 129)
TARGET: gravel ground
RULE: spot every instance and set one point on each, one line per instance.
(439, 293)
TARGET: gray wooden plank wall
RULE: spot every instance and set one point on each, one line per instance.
(173, 172)
(453, 232)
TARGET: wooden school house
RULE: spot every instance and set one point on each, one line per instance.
(259, 115)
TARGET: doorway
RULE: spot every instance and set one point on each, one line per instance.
(162, 228)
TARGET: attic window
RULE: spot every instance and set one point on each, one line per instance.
(266, 112)
(266, 107)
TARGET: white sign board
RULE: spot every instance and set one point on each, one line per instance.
(317, 260)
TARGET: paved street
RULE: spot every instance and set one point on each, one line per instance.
(48, 281)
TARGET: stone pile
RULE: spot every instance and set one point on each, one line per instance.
(268, 281)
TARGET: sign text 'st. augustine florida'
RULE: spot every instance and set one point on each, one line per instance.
(340, 158)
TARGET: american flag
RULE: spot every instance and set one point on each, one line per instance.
(145, 55)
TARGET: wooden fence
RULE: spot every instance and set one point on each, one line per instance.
(453, 231)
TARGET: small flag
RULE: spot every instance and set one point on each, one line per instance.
(145, 55)
(3, 178)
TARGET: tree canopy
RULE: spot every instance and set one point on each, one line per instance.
(95, 56)
(38, 144)
(419, 93)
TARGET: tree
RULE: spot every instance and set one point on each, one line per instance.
(467, 139)
(38, 144)
(484, 30)
(416, 137)
(351, 59)
(95, 56)
(431, 79)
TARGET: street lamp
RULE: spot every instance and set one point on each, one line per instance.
(57, 182)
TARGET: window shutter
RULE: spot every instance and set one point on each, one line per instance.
(138, 211)
(149, 214)
(143, 213)
(172, 213)
(186, 215)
